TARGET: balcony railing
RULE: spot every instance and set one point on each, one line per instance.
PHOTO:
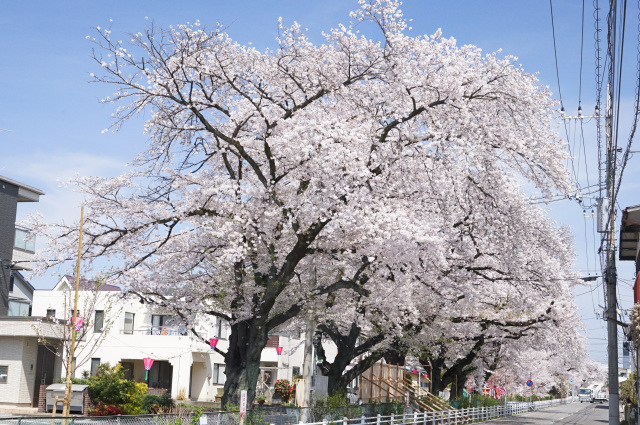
(157, 330)
(25, 240)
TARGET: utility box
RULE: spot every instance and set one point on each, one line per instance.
(77, 397)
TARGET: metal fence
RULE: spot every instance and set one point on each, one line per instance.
(294, 416)
(448, 417)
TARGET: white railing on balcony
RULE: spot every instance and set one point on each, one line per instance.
(157, 330)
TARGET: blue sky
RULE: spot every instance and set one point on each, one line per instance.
(54, 119)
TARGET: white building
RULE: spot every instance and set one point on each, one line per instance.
(183, 365)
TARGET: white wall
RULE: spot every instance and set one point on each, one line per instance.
(19, 354)
(181, 351)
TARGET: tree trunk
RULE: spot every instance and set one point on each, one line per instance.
(436, 375)
(242, 361)
(459, 381)
(336, 382)
(349, 348)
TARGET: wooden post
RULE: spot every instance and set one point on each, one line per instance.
(380, 373)
(370, 381)
(53, 413)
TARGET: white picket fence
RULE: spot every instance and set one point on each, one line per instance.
(448, 417)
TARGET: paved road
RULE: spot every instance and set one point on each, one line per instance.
(574, 413)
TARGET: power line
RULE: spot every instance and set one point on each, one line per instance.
(555, 51)
(581, 56)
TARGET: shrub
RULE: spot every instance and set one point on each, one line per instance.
(284, 389)
(103, 409)
(135, 393)
(478, 400)
(334, 407)
(109, 387)
(152, 403)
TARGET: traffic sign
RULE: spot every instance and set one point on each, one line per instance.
(529, 383)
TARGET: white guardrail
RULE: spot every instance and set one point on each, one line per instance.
(449, 417)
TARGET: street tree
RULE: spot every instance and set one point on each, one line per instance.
(264, 167)
(56, 332)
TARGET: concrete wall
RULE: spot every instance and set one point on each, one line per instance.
(8, 206)
(20, 354)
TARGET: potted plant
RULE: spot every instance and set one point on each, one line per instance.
(260, 399)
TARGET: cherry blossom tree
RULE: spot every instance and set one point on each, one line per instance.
(334, 160)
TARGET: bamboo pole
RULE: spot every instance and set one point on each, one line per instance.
(66, 401)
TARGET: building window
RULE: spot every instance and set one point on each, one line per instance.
(94, 366)
(11, 284)
(218, 374)
(128, 323)
(4, 372)
(220, 330)
(158, 320)
(17, 308)
(127, 368)
(98, 323)
(51, 313)
(162, 324)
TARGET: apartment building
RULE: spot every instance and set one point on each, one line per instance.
(120, 329)
(25, 363)
(16, 247)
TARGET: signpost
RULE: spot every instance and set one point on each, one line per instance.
(243, 405)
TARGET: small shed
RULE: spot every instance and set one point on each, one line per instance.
(78, 393)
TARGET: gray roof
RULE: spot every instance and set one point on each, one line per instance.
(90, 285)
(21, 277)
(26, 193)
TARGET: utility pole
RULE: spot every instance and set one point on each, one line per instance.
(308, 363)
(610, 274)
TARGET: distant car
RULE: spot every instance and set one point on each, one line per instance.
(585, 394)
(601, 397)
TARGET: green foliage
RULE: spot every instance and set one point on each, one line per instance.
(477, 400)
(386, 409)
(230, 407)
(109, 387)
(191, 418)
(134, 396)
(152, 403)
(334, 407)
(195, 416)
(628, 391)
(254, 417)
